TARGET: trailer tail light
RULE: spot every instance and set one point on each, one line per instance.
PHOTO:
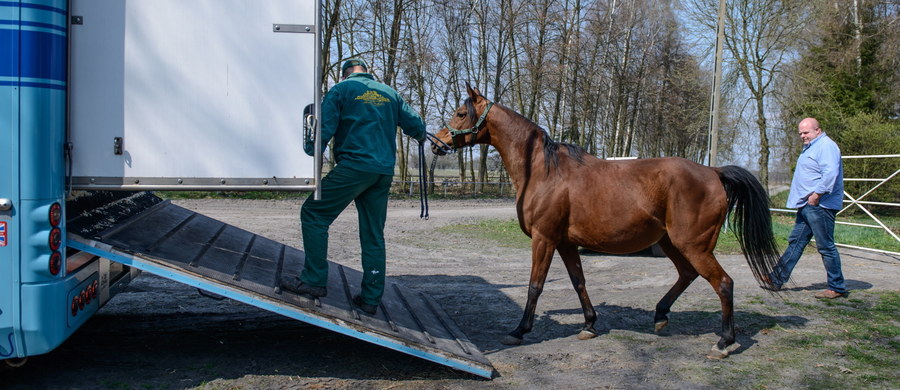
(82, 299)
(55, 214)
(55, 239)
(55, 263)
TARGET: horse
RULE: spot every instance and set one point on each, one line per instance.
(567, 198)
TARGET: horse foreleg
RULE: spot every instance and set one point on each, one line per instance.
(541, 257)
(572, 260)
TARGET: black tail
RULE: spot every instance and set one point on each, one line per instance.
(749, 205)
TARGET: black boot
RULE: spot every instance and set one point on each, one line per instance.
(297, 287)
(357, 300)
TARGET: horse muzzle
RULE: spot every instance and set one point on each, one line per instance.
(438, 146)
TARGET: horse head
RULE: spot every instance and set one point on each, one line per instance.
(466, 127)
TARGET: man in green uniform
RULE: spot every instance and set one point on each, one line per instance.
(362, 115)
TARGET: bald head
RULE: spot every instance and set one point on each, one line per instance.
(809, 129)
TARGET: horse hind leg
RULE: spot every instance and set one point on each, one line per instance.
(710, 269)
(689, 267)
(724, 287)
(686, 275)
(572, 260)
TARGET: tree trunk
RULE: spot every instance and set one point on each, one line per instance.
(763, 143)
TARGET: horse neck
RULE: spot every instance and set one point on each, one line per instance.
(520, 143)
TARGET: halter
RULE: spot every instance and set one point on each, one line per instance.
(472, 130)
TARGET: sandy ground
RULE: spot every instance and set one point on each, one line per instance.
(159, 334)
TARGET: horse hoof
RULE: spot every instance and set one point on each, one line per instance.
(511, 340)
(661, 324)
(718, 354)
(586, 335)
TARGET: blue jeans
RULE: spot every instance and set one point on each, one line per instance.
(818, 222)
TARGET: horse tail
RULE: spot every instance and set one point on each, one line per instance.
(748, 203)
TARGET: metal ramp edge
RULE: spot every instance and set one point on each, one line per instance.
(176, 243)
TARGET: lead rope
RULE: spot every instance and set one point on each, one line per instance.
(423, 188)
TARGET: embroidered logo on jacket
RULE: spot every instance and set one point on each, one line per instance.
(373, 98)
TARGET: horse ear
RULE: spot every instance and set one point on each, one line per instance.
(473, 93)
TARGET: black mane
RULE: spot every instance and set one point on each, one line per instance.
(551, 151)
(551, 147)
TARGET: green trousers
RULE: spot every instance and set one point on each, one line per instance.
(339, 187)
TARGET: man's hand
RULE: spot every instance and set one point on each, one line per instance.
(813, 199)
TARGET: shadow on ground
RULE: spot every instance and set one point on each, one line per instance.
(174, 347)
(486, 324)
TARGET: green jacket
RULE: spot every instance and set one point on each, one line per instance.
(362, 115)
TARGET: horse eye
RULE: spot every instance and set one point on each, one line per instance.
(461, 114)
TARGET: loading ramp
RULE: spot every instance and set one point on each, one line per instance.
(145, 232)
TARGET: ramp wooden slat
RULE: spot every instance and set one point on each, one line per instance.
(166, 239)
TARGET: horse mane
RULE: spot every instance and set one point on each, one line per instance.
(551, 147)
(551, 151)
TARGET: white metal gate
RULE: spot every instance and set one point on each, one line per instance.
(860, 201)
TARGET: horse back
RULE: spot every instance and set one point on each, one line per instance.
(662, 182)
(623, 205)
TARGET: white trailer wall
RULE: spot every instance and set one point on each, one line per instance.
(191, 94)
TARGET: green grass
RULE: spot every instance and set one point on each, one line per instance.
(505, 232)
(783, 223)
(866, 237)
(863, 333)
(856, 348)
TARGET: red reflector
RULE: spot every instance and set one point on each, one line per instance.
(55, 214)
(55, 238)
(55, 263)
(74, 306)
(3, 234)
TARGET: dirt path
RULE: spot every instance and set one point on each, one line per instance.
(160, 334)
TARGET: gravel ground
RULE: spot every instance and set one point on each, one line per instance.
(163, 335)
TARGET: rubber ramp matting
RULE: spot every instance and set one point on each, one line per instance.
(143, 231)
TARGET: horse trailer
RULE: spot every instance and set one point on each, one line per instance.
(103, 102)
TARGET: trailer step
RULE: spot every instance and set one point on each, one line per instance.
(156, 236)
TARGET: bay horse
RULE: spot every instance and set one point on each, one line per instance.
(566, 198)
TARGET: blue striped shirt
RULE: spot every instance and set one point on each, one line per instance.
(820, 170)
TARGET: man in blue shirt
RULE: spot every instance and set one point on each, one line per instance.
(362, 116)
(817, 192)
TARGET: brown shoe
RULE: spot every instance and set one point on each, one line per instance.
(829, 294)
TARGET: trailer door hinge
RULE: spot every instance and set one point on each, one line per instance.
(117, 146)
(294, 28)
